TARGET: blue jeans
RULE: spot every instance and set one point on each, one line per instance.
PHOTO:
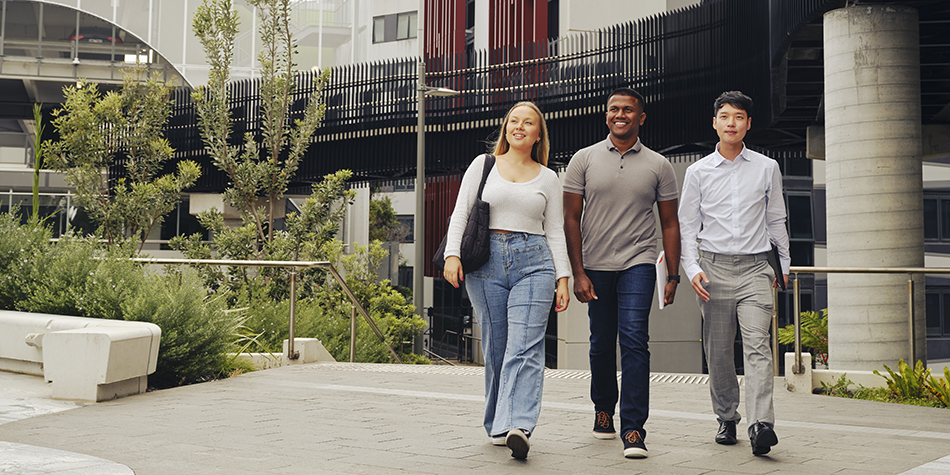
(622, 307)
(512, 296)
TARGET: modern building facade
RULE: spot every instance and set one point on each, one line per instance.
(567, 57)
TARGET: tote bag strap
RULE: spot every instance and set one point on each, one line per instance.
(489, 163)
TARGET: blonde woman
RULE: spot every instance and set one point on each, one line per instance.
(527, 271)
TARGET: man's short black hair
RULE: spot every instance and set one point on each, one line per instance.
(626, 91)
(735, 99)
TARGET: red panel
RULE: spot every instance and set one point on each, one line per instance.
(444, 29)
(440, 195)
(515, 22)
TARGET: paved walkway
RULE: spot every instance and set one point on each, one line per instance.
(384, 419)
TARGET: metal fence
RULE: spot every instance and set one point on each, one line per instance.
(679, 60)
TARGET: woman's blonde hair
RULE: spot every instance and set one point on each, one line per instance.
(539, 152)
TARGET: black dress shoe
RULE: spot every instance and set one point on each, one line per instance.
(727, 433)
(763, 438)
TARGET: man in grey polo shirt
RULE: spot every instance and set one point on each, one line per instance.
(614, 184)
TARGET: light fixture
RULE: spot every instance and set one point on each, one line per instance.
(76, 61)
(439, 91)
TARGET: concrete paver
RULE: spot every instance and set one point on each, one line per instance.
(373, 419)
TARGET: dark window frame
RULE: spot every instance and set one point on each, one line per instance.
(943, 306)
(391, 27)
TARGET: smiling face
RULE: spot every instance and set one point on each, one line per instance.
(731, 123)
(624, 117)
(523, 128)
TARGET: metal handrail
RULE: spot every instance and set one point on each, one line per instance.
(797, 367)
(291, 354)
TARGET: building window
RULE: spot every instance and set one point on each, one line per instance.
(379, 29)
(937, 218)
(938, 312)
(800, 228)
(407, 26)
(395, 27)
(406, 227)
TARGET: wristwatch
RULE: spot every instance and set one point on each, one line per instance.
(673, 277)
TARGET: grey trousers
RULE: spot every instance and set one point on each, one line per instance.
(739, 293)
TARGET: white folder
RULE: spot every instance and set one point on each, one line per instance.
(661, 278)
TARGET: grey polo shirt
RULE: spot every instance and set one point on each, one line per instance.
(618, 227)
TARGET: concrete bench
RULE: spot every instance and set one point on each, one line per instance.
(86, 359)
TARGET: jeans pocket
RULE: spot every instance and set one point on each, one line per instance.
(530, 260)
(483, 272)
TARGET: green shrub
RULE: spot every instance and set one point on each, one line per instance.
(940, 388)
(907, 382)
(840, 388)
(197, 331)
(814, 334)
(21, 249)
(76, 277)
(328, 319)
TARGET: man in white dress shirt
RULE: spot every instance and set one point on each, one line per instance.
(730, 207)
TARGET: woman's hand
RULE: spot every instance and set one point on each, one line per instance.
(562, 296)
(453, 271)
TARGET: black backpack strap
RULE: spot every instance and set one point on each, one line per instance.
(489, 163)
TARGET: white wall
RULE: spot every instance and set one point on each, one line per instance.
(404, 202)
(389, 49)
(581, 15)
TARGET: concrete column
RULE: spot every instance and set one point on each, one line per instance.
(874, 183)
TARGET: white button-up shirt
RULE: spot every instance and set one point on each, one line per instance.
(732, 207)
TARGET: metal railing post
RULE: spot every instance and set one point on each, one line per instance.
(352, 334)
(291, 354)
(797, 368)
(910, 315)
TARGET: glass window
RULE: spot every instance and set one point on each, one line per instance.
(943, 327)
(930, 219)
(945, 219)
(398, 26)
(406, 227)
(379, 29)
(402, 26)
(413, 25)
(799, 217)
(801, 253)
(798, 167)
(933, 314)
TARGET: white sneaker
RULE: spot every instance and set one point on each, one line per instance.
(517, 441)
(499, 440)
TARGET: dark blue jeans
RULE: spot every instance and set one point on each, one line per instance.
(622, 308)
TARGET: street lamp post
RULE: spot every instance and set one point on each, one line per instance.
(418, 271)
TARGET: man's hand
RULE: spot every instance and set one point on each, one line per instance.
(775, 282)
(697, 282)
(583, 289)
(670, 292)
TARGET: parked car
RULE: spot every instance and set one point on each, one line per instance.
(95, 35)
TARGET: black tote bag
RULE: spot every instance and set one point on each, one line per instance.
(476, 238)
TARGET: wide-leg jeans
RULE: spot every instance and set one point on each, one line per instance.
(512, 296)
(622, 308)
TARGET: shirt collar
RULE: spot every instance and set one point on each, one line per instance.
(635, 149)
(720, 159)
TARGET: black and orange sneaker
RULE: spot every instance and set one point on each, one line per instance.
(604, 425)
(633, 445)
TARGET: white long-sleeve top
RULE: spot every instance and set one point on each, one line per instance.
(733, 208)
(533, 207)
